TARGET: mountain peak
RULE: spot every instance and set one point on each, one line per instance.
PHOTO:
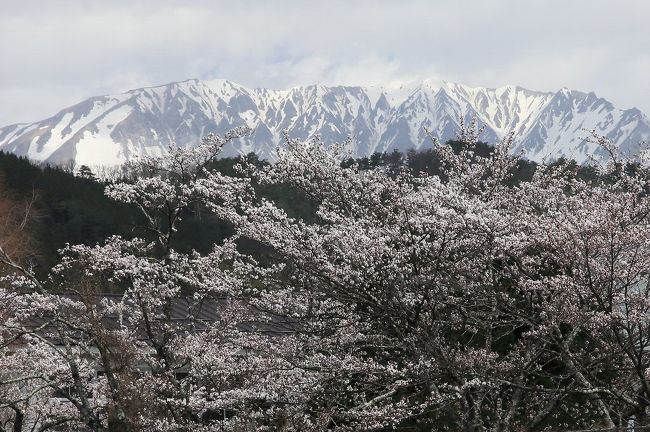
(111, 129)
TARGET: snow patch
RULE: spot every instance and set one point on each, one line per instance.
(98, 148)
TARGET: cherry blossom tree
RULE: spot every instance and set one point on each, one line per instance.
(463, 301)
(483, 306)
(136, 361)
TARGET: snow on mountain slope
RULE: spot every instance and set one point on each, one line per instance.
(109, 130)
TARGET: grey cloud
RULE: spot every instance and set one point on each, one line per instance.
(56, 53)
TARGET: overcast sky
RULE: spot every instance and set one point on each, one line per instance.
(56, 53)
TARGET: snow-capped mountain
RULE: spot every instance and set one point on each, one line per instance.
(108, 130)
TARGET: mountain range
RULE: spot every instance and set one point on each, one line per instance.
(109, 130)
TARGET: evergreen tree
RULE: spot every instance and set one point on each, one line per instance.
(86, 173)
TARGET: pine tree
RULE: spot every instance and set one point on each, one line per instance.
(86, 173)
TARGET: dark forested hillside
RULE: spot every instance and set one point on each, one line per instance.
(73, 209)
(68, 209)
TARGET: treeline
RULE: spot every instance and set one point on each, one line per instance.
(73, 208)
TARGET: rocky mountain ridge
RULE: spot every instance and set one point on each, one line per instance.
(109, 130)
